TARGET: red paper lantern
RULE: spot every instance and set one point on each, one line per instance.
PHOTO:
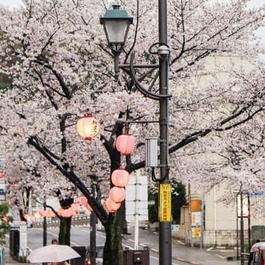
(120, 177)
(125, 144)
(112, 206)
(117, 194)
(88, 127)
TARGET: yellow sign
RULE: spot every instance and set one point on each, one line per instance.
(196, 232)
(165, 203)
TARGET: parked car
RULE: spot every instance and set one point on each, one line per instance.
(99, 255)
(257, 254)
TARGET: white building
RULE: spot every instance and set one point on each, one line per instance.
(211, 222)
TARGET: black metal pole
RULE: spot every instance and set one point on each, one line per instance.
(165, 244)
(44, 226)
(237, 232)
(249, 225)
(93, 243)
(93, 253)
(241, 229)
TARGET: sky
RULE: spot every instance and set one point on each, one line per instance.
(10, 3)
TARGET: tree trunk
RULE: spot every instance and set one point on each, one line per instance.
(113, 246)
(65, 229)
(65, 223)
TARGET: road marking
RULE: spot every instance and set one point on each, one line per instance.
(98, 233)
(53, 234)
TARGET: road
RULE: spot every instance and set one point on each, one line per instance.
(181, 254)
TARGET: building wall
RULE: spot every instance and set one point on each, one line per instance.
(222, 224)
(217, 215)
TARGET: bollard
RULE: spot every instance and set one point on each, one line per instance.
(136, 257)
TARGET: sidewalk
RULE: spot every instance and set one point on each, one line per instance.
(196, 257)
(9, 260)
(187, 254)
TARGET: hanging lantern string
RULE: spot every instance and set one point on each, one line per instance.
(126, 127)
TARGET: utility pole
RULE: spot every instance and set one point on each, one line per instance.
(165, 244)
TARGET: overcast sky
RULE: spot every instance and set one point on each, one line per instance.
(10, 3)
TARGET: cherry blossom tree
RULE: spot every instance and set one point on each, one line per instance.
(56, 54)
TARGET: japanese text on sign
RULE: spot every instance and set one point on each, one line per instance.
(165, 203)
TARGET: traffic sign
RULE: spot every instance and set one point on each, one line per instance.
(174, 228)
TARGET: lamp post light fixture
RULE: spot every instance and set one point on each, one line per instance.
(116, 24)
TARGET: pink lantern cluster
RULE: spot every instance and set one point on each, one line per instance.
(46, 213)
(82, 200)
(39, 214)
(125, 144)
(29, 218)
(120, 178)
(73, 209)
(66, 213)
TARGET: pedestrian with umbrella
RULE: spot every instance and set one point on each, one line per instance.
(53, 253)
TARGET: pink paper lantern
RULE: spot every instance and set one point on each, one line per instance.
(112, 206)
(120, 177)
(125, 144)
(117, 194)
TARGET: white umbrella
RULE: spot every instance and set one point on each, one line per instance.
(52, 253)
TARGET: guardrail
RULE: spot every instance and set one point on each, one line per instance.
(56, 222)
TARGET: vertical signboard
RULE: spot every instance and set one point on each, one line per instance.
(165, 203)
(2, 190)
(244, 205)
(137, 199)
(196, 217)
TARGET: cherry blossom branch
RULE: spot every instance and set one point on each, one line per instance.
(70, 175)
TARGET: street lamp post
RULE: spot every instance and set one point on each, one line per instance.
(116, 24)
(93, 223)
(44, 225)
